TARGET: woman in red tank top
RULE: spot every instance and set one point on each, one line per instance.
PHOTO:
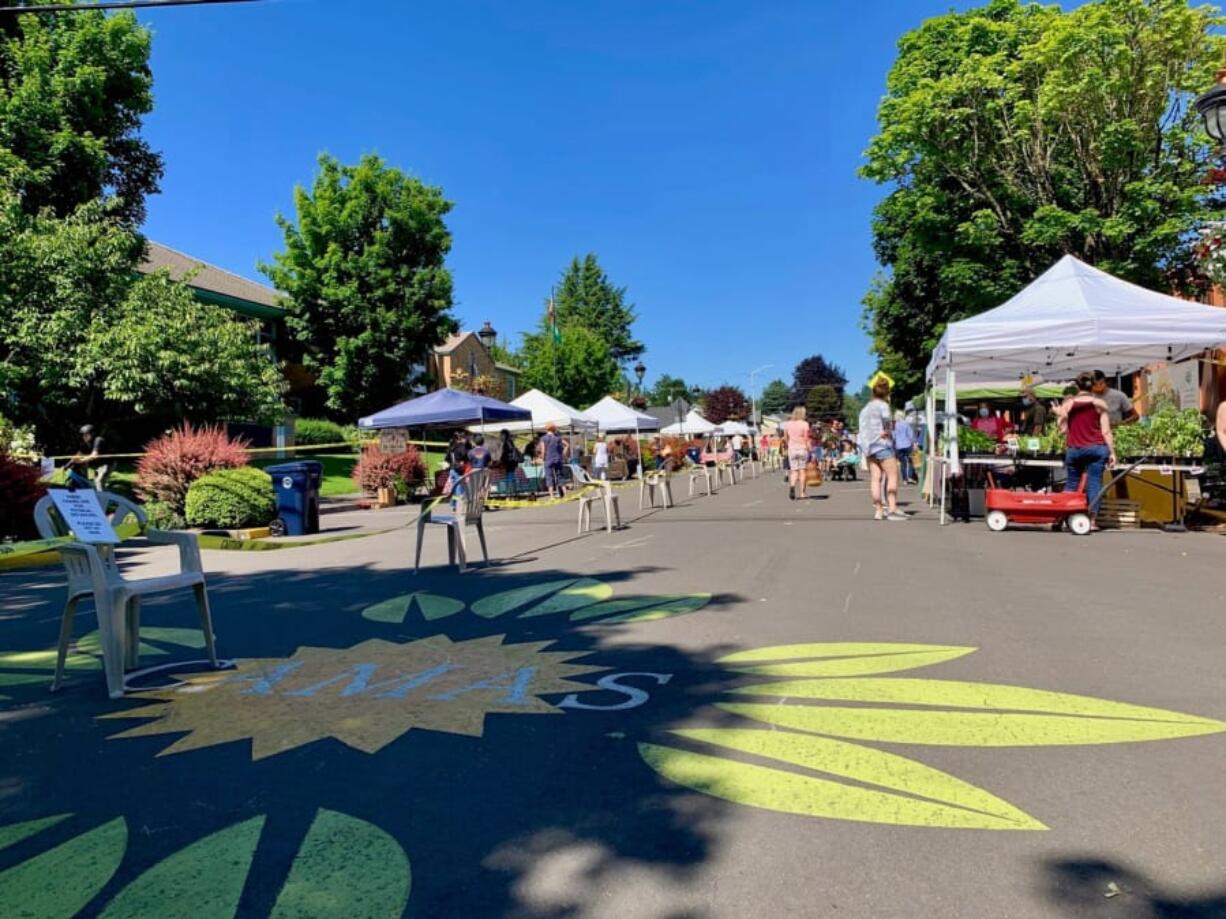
(1085, 421)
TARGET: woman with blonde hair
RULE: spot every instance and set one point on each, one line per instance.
(796, 446)
(877, 441)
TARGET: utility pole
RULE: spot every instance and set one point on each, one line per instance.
(753, 393)
(110, 5)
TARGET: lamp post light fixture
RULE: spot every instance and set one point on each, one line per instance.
(640, 371)
(1212, 107)
(488, 336)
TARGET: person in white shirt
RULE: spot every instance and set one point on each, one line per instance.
(600, 458)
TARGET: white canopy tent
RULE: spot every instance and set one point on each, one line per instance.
(614, 416)
(694, 423)
(545, 410)
(1070, 319)
(731, 428)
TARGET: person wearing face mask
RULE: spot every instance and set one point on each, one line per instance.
(1034, 414)
(987, 423)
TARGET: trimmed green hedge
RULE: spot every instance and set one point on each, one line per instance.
(309, 432)
(231, 498)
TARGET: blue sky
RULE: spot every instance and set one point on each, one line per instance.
(706, 151)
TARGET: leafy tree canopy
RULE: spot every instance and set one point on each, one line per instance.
(586, 297)
(725, 403)
(824, 403)
(369, 295)
(776, 398)
(73, 89)
(1014, 133)
(577, 369)
(84, 338)
(816, 371)
(668, 389)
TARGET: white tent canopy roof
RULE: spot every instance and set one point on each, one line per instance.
(612, 415)
(734, 427)
(1073, 318)
(694, 423)
(545, 410)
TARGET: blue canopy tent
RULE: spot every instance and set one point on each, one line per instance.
(442, 408)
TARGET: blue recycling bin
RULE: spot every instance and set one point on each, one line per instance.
(297, 489)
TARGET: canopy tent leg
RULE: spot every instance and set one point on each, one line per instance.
(930, 423)
(951, 433)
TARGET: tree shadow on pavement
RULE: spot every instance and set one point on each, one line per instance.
(554, 817)
(1093, 888)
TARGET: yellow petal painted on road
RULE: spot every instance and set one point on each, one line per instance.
(59, 882)
(397, 609)
(958, 694)
(583, 592)
(835, 659)
(972, 729)
(204, 880)
(664, 608)
(15, 832)
(928, 797)
(507, 600)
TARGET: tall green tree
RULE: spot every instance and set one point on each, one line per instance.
(1014, 133)
(363, 269)
(576, 368)
(84, 338)
(667, 389)
(586, 297)
(824, 403)
(776, 398)
(73, 90)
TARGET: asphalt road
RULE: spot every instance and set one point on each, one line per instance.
(869, 780)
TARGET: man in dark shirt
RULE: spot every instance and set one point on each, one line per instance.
(78, 466)
(1034, 414)
(555, 457)
(479, 455)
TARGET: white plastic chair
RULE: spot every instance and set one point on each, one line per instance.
(651, 482)
(469, 495)
(701, 473)
(92, 571)
(726, 468)
(596, 491)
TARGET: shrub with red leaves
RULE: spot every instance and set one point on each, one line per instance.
(172, 462)
(376, 469)
(20, 489)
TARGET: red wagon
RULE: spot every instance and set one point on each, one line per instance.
(1037, 509)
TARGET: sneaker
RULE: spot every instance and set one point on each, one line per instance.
(897, 515)
(878, 515)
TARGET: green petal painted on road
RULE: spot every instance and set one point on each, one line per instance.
(397, 609)
(345, 867)
(505, 601)
(583, 592)
(16, 832)
(953, 803)
(58, 883)
(610, 607)
(204, 880)
(836, 659)
(970, 729)
(664, 608)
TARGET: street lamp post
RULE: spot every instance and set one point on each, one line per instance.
(488, 336)
(753, 392)
(640, 371)
(1212, 107)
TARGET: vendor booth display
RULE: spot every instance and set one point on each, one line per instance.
(1071, 319)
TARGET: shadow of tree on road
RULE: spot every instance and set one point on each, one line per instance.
(1092, 888)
